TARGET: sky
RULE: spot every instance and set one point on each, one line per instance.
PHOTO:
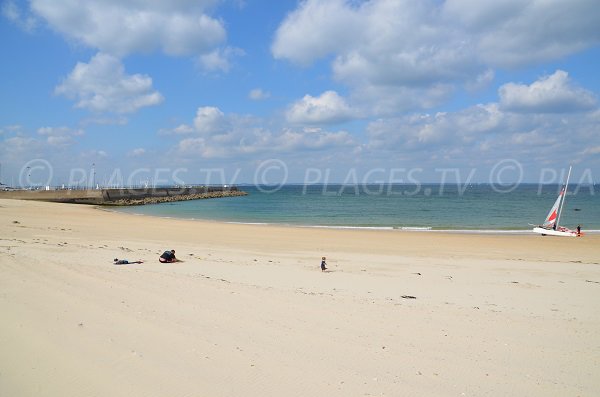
(125, 92)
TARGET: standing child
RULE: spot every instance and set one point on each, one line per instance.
(323, 264)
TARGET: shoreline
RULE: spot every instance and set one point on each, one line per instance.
(249, 312)
(406, 229)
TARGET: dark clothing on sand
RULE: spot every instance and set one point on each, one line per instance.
(124, 262)
(167, 256)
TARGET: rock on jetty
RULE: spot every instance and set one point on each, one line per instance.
(181, 197)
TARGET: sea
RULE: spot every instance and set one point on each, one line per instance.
(473, 208)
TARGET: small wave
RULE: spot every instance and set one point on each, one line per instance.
(484, 231)
(248, 223)
(348, 227)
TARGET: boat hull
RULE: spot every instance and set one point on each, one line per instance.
(562, 232)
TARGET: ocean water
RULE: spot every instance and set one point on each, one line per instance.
(477, 208)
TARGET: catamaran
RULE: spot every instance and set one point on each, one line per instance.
(551, 224)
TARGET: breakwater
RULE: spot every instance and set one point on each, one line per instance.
(125, 196)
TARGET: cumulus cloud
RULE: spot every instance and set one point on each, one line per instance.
(550, 94)
(513, 33)
(329, 107)
(312, 139)
(400, 55)
(384, 101)
(123, 27)
(210, 120)
(219, 135)
(490, 130)
(399, 43)
(382, 46)
(60, 136)
(17, 145)
(103, 86)
(316, 29)
(434, 33)
(15, 128)
(219, 60)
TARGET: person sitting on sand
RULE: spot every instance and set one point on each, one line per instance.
(323, 264)
(118, 261)
(168, 257)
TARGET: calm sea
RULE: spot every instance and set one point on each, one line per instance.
(428, 207)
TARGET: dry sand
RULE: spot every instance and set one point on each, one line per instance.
(249, 313)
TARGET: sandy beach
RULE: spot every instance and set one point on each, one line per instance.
(249, 313)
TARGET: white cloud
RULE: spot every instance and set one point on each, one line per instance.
(56, 131)
(60, 136)
(384, 46)
(380, 42)
(16, 129)
(258, 94)
(20, 144)
(210, 121)
(511, 33)
(131, 26)
(219, 135)
(325, 109)
(102, 86)
(219, 60)
(316, 29)
(485, 133)
(181, 129)
(312, 139)
(549, 94)
(384, 100)
(13, 13)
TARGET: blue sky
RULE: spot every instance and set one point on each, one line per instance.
(218, 91)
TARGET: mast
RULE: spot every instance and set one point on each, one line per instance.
(563, 198)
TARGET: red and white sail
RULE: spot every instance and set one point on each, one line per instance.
(553, 214)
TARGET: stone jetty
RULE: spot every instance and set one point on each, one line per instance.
(124, 196)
